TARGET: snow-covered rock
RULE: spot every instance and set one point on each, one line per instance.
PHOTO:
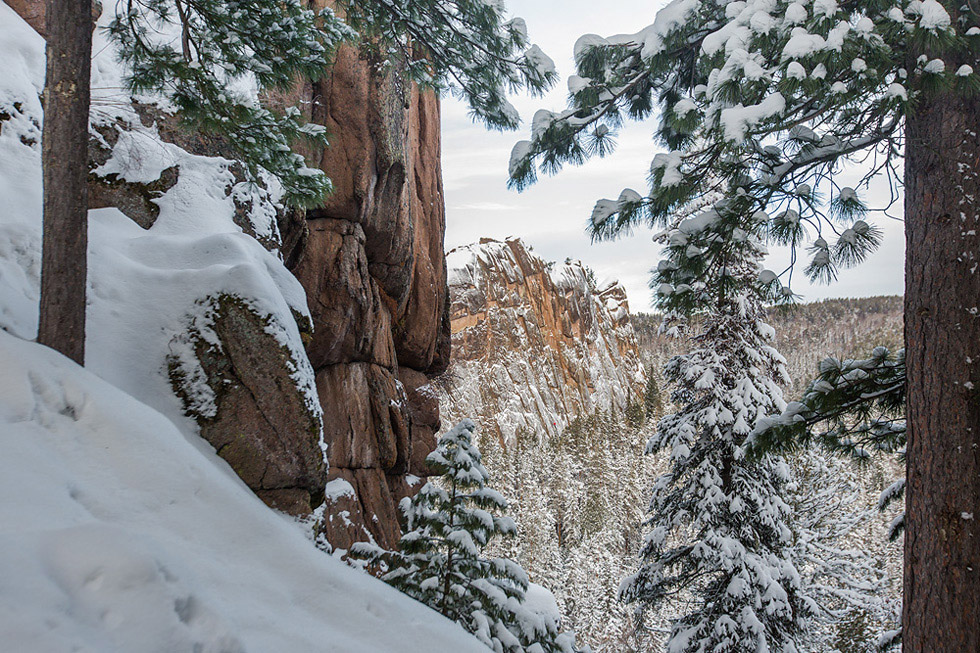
(178, 239)
(535, 344)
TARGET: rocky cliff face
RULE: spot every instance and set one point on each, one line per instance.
(372, 265)
(371, 260)
(535, 344)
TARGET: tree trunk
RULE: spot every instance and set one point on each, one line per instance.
(65, 161)
(942, 339)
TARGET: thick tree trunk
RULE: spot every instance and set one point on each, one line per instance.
(942, 338)
(65, 161)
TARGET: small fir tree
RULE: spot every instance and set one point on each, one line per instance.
(440, 562)
(651, 398)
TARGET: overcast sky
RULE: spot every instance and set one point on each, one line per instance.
(551, 215)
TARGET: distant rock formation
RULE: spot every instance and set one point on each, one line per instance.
(535, 344)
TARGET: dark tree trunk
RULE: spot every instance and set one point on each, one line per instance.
(942, 338)
(65, 161)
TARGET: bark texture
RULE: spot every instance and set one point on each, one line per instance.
(65, 159)
(942, 337)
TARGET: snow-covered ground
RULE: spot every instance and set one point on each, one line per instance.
(120, 529)
(117, 534)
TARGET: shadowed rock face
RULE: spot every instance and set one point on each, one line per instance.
(32, 11)
(261, 423)
(374, 271)
(534, 343)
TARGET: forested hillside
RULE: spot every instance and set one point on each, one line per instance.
(806, 333)
(578, 496)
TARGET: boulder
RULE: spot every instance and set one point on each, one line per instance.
(260, 422)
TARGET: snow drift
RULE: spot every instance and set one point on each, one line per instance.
(117, 534)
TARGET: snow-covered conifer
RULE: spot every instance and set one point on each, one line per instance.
(853, 406)
(766, 102)
(720, 537)
(439, 559)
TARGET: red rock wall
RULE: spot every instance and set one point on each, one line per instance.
(375, 275)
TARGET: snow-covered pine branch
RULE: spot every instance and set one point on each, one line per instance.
(209, 59)
(855, 407)
(465, 46)
(758, 99)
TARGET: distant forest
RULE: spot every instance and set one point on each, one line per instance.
(805, 333)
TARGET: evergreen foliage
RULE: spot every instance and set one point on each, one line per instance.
(652, 401)
(838, 552)
(577, 502)
(464, 46)
(439, 559)
(203, 55)
(759, 103)
(208, 57)
(855, 407)
(720, 537)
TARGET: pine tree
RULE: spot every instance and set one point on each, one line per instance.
(198, 53)
(720, 539)
(652, 402)
(64, 158)
(439, 558)
(765, 102)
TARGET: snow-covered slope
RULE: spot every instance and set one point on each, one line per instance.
(535, 344)
(178, 234)
(146, 286)
(120, 528)
(116, 534)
